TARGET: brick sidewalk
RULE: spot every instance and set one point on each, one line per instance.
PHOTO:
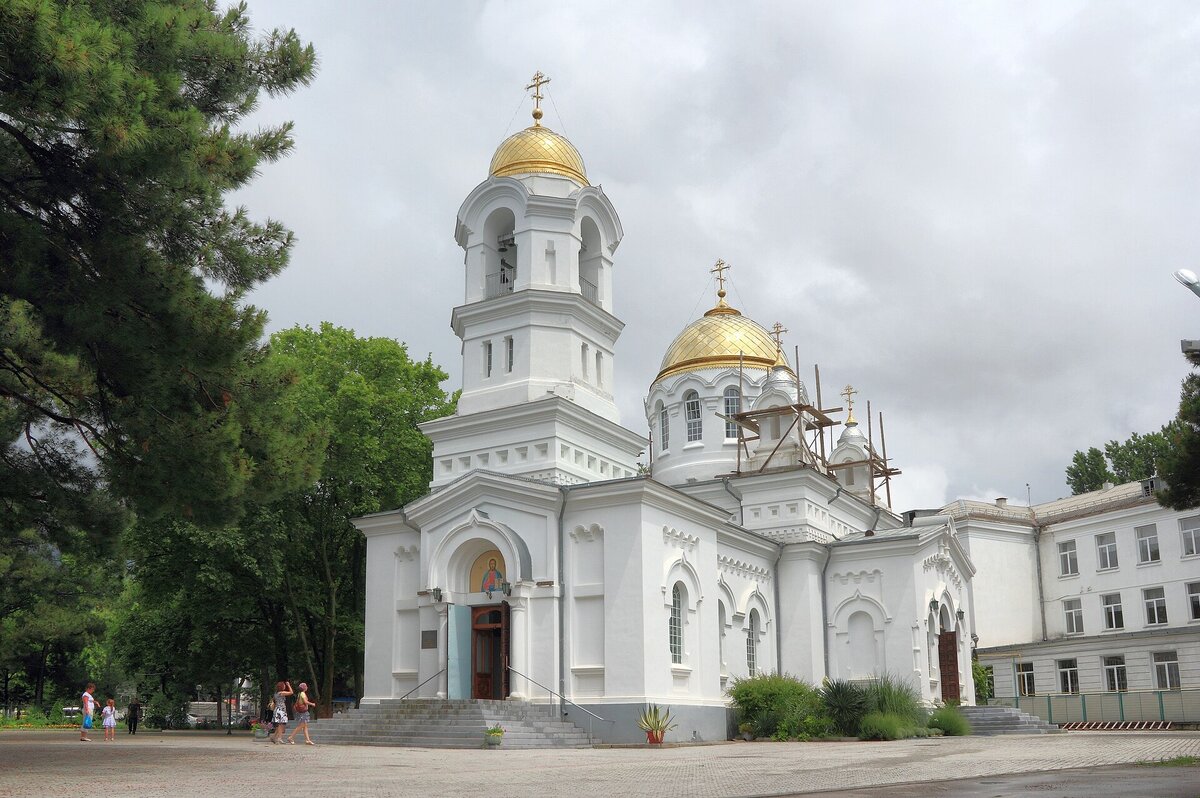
(207, 764)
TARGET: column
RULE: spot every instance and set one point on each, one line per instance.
(518, 627)
(443, 646)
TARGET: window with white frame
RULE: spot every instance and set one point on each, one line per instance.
(1114, 617)
(1147, 543)
(733, 406)
(583, 360)
(1073, 613)
(599, 369)
(1166, 670)
(1025, 683)
(1155, 600)
(1068, 676)
(508, 354)
(1115, 679)
(1189, 528)
(752, 644)
(1106, 551)
(664, 429)
(487, 358)
(721, 635)
(675, 624)
(1193, 598)
(1068, 559)
(691, 409)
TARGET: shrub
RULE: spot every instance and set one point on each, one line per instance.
(979, 675)
(56, 714)
(770, 700)
(951, 721)
(845, 703)
(892, 695)
(882, 726)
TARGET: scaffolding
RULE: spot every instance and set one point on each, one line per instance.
(810, 449)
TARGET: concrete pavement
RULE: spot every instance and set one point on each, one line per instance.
(212, 764)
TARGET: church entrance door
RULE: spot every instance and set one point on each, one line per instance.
(489, 652)
(948, 665)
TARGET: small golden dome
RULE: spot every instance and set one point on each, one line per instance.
(538, 149)
(717, 339)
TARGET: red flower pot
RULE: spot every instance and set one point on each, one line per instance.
(654, 737)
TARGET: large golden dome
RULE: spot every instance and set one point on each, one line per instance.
(723, 337)
(538, 149)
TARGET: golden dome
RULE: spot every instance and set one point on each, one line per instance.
(538, 149)
(716, 340)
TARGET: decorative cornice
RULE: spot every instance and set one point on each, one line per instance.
(408, 553)
(683, 540)
(743, 569)
(943, 564)
(586, 534)
(857, 577)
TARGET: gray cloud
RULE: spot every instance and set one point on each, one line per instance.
(969, 211)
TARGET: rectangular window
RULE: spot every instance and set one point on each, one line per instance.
(1156, 605)
(1025, 685)
(1115, 680)
(1147, 542)
(1114, 617)
(664, 430)
(599, 369)
(733, 406)
(1166, 670)
(691, 407)
(1068, 560)
(1193, 597)
(1190, 529)
(1073, 610)
(1106, 551)
(583, 360)
(508, 354)
(1068, 676)
(487, 358)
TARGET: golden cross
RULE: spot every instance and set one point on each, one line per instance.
(537, 81)
(849, 393)
(777, 333)
(719, 270)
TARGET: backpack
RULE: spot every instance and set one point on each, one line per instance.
(301, 704)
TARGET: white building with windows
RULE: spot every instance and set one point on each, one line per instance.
(543, 561)
(1096, 593)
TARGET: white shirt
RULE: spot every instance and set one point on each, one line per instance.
(88, 703)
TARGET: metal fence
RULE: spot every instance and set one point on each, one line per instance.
(1173, 705)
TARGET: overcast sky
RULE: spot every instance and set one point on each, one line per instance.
(969, 211)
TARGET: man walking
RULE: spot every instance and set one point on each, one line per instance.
(87, 706)
(131, 715)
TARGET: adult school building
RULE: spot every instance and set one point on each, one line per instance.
(544, 563)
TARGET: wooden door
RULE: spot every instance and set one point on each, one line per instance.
(948, 665)
(489, 652)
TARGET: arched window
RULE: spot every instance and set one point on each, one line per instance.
(691, 406)
(664, 429)
(849, 472)
(675, 625)
(752, 644)
(733, 405)
(721, 636)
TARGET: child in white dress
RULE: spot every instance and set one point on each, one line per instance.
(109, 713)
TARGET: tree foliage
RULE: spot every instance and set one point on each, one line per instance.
(127, 353)
(1180, 464)
(1129, 460)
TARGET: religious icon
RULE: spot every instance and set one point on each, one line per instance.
(491, 578)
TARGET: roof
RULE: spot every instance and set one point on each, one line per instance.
(1093, 502)
(538, 149)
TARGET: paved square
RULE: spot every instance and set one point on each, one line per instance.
(199, 763)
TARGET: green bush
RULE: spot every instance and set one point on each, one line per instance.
(844, 703)
(769, 701)
(979, 675)
(951, 721)
(892, 695)
(56, 714)
(883, 726)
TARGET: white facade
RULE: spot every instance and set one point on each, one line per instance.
(1117, 607)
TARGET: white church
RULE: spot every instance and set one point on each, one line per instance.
(544, 564)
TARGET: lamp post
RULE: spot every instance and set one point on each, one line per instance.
(1191, 349)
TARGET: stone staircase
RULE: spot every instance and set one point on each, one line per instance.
(987, 721)
(435, 723)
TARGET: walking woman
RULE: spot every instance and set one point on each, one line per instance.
(303, 706)
(282, 691)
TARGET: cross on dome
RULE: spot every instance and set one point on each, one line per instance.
(536, 82)
(849, 393)
(777, 333)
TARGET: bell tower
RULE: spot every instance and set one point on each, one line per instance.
(536, 323)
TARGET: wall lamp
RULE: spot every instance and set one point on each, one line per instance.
(437, 595)
(960, 615)
(933, 606)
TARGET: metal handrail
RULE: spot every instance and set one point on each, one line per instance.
(422, 684)
(561, 697)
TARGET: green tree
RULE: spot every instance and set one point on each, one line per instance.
(1088, 471)
(1179, 466)
(127, 353)
(368, 396)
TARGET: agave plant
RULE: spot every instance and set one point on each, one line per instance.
(656, 719)
(845, 703)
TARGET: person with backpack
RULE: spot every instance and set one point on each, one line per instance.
(303, 707)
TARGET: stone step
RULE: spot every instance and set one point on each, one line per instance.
(988, 721)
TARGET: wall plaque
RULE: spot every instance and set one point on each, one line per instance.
(429, 639)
